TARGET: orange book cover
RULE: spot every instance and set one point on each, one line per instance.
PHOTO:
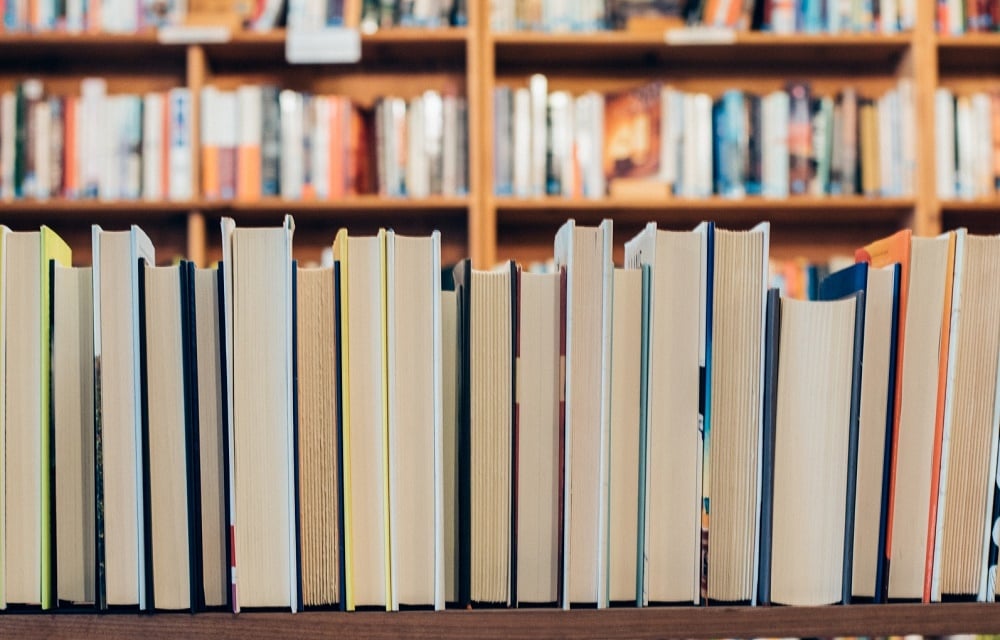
(70, 175)
(338, 119)
(632, 133)
(248, 172)
(210, 185)
(882, 253)
(949, 282)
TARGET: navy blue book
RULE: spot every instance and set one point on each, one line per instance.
(772, 334)
(873, 448)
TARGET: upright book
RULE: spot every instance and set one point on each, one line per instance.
(364, 389)
(259, 326)
(28, 536)
(121, 540)
(585, 252)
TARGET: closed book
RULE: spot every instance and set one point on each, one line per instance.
(815, 437)
(364, 395)
(416, 465)
(540, 412)
(677, 261)
(732, 424)
(486, 434)
(121, 541)
(585, 252)
(172, 515)
(73, 433)
(318, 443)
(259, 317)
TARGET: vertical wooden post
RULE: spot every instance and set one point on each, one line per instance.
(197, 69)
(922, 63)
(479, 85)
(196, 241)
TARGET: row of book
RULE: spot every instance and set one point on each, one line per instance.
(656, 140)
(131, 16)
(369, 433)
(777, 16)
(259, 141)
(256, 141)
(967, 143)
(955, 17)
(95, 145)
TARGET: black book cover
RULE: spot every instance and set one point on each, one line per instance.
(224, 404)
(852, 447)
(463, 279)
(339, 390)
(515, 310)
(191, 433)
(772, 334)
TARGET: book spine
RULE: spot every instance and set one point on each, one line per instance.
(211, 120)
(433, 106)
(181, 180)
(754, 138)
(152, 146)
(449, 146)
(291, 168)
(944, 142)
(538, 87)
(799, 138)
(522, 149)
(228, 121)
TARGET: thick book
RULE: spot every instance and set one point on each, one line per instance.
(28, 501)
(259, 327)
(416, 465)
(487, 319)
(815, 438)
(733, 415)
(170, 430)
(540, 412)
(585, 252)
(318, 405)
(672, 455)
(969, 442)
(364, 393)
(73, 433)
(121, 572)
(878, 385)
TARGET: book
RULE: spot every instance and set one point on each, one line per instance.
(585, 253)
(449, 428)
(486, 434)
(627, 394)
(259, 325)
(673, 446)
(319, 469)
(415, 447)
(732, 424)
(968, 459)
(364, 396)
(815, 448)
(172, 510)
(213, 450)
(121, 539)
(540, 413)
(73, 432)
(28, 501)
(632, 134)
(878, 385)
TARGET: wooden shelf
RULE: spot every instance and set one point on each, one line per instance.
(826, 211)
(986, 205)
(93, 210)
(690, 622)
(618, 47)
(972, 52)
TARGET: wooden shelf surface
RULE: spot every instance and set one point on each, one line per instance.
(688, 622)
(617, 47)
(969, 53)
(985, 205)
(827, 211)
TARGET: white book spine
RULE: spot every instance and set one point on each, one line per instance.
(906, 134)
(91, 129)
(944, 143)
(703, 146)
(983, 163)
(539, 133)
(668, 150)
(321, 147)
(291, 144)
(956, 11)
(42, 115)
(885, 145)
(433, 139)
(688, 161)
(109, 143)
(74, 16)
(599, 182)
(889, 16)
(416, 162)
(522, 143)
(963, 128)
(8, 127)
(181, 182)
(449, 147)
(152, 146)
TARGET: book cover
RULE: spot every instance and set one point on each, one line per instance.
(800, 142)
(772, 329)
(632, 133)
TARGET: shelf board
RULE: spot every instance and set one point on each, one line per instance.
(692, 622)
(985, 205)
(408, 43)
(86, 211)
(823, 211)
(970, 52)
(617, 47)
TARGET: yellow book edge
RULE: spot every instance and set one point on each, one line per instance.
(52, 248)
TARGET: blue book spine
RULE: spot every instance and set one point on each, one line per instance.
(812, 16)
(640, 563)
